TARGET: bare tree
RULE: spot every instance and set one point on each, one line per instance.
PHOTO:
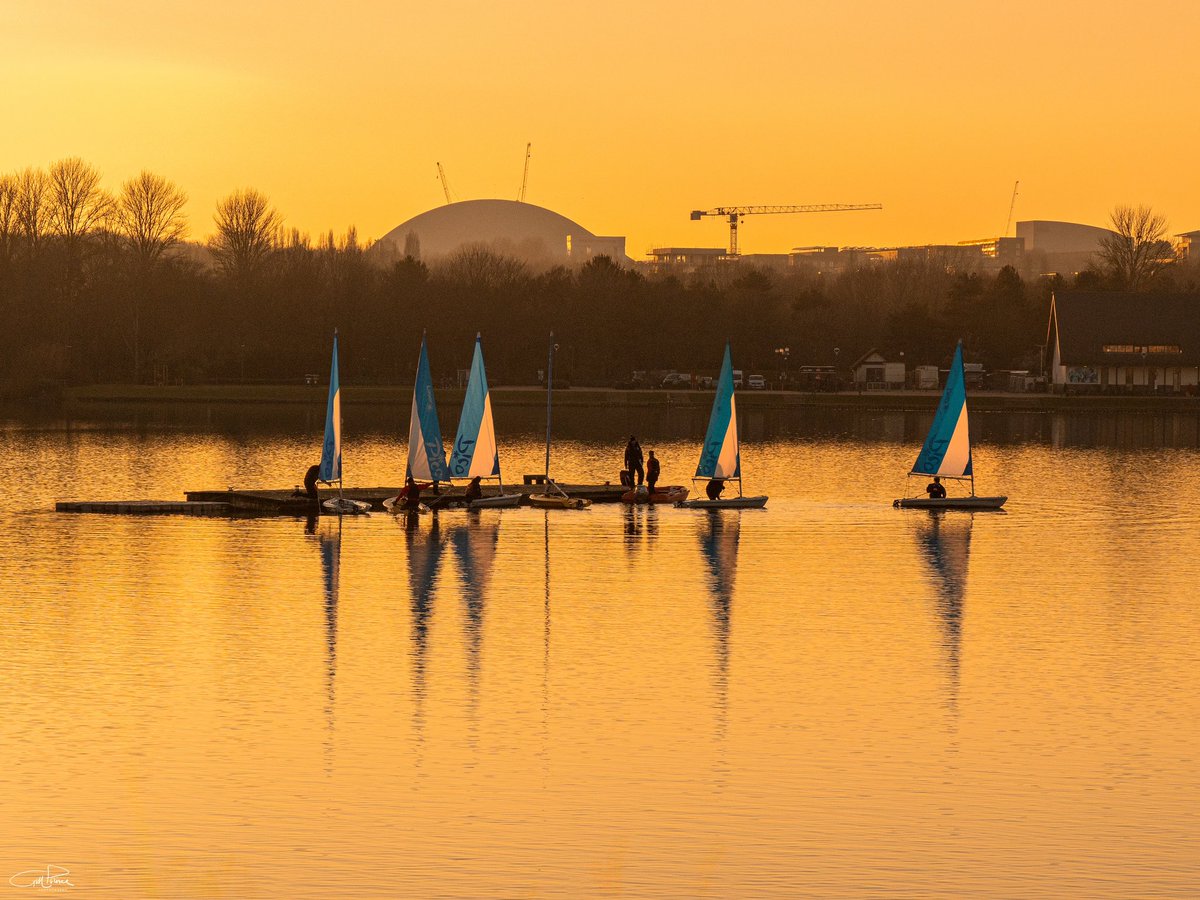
(150, 217)
(78, 205)
(8, 216)
(247, 230)
(33, 211)
(1137, 249)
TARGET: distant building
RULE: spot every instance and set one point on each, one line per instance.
(684, 260)
(1188, 245)
(1060, 247)
(876, 371)
(1114, 342)
(533, 234)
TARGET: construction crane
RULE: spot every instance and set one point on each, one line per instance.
(445, 183)
(735, 213)
(525, 177)
(1011, 207)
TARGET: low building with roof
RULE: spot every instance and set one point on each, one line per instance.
(1115, 342)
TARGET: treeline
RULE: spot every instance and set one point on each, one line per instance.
(98, 287)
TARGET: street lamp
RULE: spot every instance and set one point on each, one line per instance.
(784, 353)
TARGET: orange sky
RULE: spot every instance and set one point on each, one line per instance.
(638, 112)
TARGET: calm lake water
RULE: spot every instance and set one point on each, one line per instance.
(828, 698)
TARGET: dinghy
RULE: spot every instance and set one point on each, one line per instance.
(331, 449)
(947, 451)
(671, 493)
(559, 499)
(475, 453)
(721, 457)
(426, 455)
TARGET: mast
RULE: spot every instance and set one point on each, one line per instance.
(549, 393)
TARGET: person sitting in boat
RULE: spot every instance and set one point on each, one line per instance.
(410, 497)
(633, 460)
(714, 488)
(652, 470)
(311, 477)
(935, 489)
(474, 490)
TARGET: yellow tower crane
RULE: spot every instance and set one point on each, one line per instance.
(735, 213)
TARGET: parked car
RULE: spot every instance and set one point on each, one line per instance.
(677, 380)
(756, 383)
(737, 378)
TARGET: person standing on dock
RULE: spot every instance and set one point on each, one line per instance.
(652, 470)
(633, 460)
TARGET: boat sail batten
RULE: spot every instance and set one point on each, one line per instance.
(426, 455)
(947, 449)
(475, 451)
(721, 456)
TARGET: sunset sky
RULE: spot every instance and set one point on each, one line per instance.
(638, 112)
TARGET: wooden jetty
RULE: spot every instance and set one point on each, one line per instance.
(287, 503)
(145, 507)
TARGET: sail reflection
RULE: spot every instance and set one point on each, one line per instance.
(424, 559)
(719, 534)
(329, 544)
(945, 544)
(474, 544)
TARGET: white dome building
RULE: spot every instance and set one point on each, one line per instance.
(531, 233)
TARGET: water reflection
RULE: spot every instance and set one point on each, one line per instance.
(641, 527)
(944, 540)
(474, 542)
(424, 560)
(719, 534)
(329, 545)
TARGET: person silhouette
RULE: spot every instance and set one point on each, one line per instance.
(935, 489)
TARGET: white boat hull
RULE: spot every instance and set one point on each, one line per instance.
(961, 503)
(557, 501)
(504, 501)
(343, 506)
(729, 503)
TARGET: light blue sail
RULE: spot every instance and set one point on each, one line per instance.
(721, 456)
(426, 455)
(947, 450)
(331, 450)
(475, 451)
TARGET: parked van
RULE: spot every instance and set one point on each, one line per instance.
(756, 383)
(737, 378)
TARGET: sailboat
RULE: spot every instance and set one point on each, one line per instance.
(947, 450)
(331, 450)
(559, 499)
(475, 452)
(721, 458)
(426, 455)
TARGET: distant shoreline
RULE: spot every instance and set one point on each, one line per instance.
(533, 396)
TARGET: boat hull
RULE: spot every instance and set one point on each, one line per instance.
(557, 501)
(670, 494)
(504, 501)
(344, 506)
(730, 503)
(961, 503)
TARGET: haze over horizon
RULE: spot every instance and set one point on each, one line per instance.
(637, 114)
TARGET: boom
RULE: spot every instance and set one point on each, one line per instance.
(735, 213)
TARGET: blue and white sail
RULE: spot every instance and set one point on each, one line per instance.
(947, 450)
(331, 450)
(475, 451)
(721, 456)
(426, 455)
